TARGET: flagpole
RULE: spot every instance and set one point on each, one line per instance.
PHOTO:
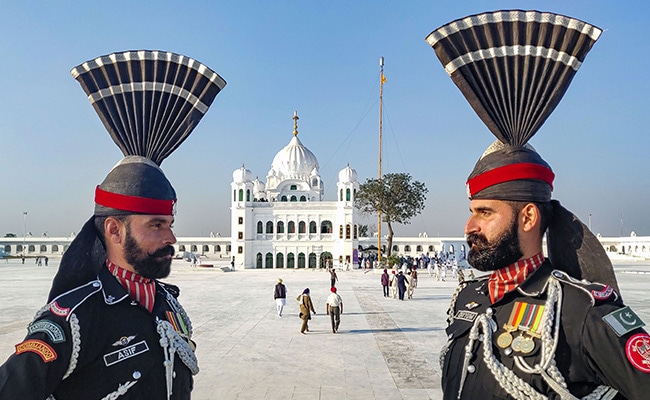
(381, 94)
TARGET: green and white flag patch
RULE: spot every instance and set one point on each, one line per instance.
(623, 321)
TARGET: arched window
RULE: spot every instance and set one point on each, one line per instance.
(407, 249)
(206, 248)
(258, 261)
(326, 227)
(241, 194)
(312, 260)
(260, 227)
(302, 227)
(43, 248)
(55, 248)
(248, 195)
(280, 227)
(312, 227)
(279, 260)
(347, 231)
(303, 198)
(293, 187)
(181, 247)
(293, 198)
(218, 248)
(228, 248)
(269, 227)
(347, 194)
(269, 260)
(341, 195)
(291, 261)
(283, 198)
(340, 231)
(431, 248)
(418, 249)
(291, 227)
(193, 248)
(301, 260)
(234, 195)
(395, 249)
(356, 231)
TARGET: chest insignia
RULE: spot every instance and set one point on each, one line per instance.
(58, 310)
(177, 322)
(52, 330)
(471, 305)
(124, 340)
(637, 350)
(125, 353)
(39, 347)
(623, 321)
(469, 316)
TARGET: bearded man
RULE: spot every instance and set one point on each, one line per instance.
(110, 328)
(533, 327)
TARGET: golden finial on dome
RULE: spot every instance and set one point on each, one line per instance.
(295, 123)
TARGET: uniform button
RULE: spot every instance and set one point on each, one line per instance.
(136, 374)
(508, 351)
(96, 284)
(471, 369)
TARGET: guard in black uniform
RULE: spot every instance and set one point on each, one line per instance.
(110, 329)
(534, 327)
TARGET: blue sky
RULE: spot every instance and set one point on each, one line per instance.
(321, 59)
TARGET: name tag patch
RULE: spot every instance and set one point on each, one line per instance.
(466, 315)
(125, 353)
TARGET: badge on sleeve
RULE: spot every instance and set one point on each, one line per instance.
(623, 321)
(637, 350)
(39, 347)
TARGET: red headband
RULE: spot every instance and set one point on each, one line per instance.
(134, 204)
(510, 172)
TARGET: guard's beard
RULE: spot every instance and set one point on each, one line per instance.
(152, 266)
(486, 256)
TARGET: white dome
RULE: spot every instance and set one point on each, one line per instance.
(295, 160)
(242, 175)
(347, 175)
(258, 186)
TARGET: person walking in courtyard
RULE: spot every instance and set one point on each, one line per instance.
(385, 281)
(306, 308)
(393, 284)
(401, 284)
(334, 309)
(333, 278)
(280, 296)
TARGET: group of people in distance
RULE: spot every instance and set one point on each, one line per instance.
(333, 305)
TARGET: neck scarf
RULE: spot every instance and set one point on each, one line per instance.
(142, 289)
(507, 279)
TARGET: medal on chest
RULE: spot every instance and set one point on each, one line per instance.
(525, 318)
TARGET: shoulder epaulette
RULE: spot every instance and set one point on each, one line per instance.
(172, 289)
(598, 292)
(64, 304)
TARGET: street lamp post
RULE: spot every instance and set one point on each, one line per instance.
(24, 230)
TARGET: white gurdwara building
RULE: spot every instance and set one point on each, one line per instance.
(285, 223)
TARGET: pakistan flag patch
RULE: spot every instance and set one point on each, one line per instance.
(623, 321)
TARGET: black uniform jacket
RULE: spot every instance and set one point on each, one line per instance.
(589, 352)
(108, 341)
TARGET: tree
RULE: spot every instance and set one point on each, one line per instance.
(396, 197)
